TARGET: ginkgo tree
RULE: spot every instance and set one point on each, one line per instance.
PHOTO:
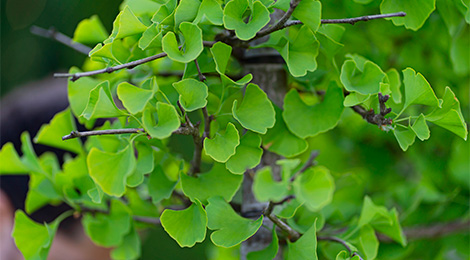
(174, 71)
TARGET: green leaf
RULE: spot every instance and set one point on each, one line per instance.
(315, 188)
(142, 7)
(329, 36)
(265, 188)
(110, 170)
(79, 91)
(51, 134)
(168, 121)
(343, 255)
(25, 229)
(90, 31)
(188, 226)
(234, 18)
(355, 98)
(395, 84)
(126, 24)
(101, 104)
(223, 146)
(268, 252)
(29, 158)
(216, 182)
(111, 53)
(305, 247)
(221, 53)
(160, 187)
(309, 13)
(133, 98)
(247, 154)
(288, 209)
(307, 121)
(459, 51)
(361, 77)
(449, 115)
(301, 52)
(229, 228)
(144, 165)
(382, 220)
(405, 137)
(210, 10)
(166, 14)
(418, 90)
(186, 11)
(193, 94)
(130, 247)
(417, 11)
(282, 141)
(421, 129)
(192, 45)
(11, 162)
(151, 38)
(368, 243)
(256, 112)
(109, 229)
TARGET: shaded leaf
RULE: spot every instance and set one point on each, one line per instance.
(421, 129)
(168, 121)
(100, 103)
(417, 11)
(265, 188)
(418, 90)
(315, 188)
(309, 13)
(268, 252)
(222, 146)
(90, 31)
(130, 247)
(133, 98)
(305, 247)
(193, 94)
(192, 45)
(405, 137)
(247, 154)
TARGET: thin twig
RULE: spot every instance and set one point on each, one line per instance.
(286, 199)
(307, 164)
(281, 23)
(201, 76)
(376, 119)
(74, 134)
(62, 38)
(129, 65)
(186, 117)
(148, 220)
(340, 241)
(292, 234)
(278, 26)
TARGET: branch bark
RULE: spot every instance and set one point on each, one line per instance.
(376, 119)
(62, 38)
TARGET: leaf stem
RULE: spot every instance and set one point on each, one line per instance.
(340, 241)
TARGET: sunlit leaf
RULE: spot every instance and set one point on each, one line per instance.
(315, 188)
(234, 18)
(167, 122)
(417, 11)
(222, 146)
(305, 247)
(193, 94)
(192, 45)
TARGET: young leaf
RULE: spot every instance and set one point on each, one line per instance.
(144, 165)
(421, 129)
(301, 52)
(368, 243)
(168, 121)
(187, 226)
(418, 90)
(29, 158)
(186, 11)
(101, 104)
(234, 18)
(151, 38)
(11, 162)
(90, 31)
(268, 252)
(133, 98)
(307, 121)
(126, 24)
(160, 187)
(229, 228)
(221, 53)
(395, 84)
(130, 247)
(256, 112)
(25, 229)
(265, 188)
(79, 91)
(405, 137)
(315, 188)
(305, 247)
(193, 94)
(216, 182)
(222, 146)
(309, 13)
(210, 10)
(416, 11)
(109, 229)
(361, 77)
(62, 124)
(110, 170)
(192, 45)
(247, 154)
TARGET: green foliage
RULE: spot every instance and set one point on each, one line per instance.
(237, 131)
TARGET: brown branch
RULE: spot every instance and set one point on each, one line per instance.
(279, 26)
(129, 65)
(431, 231)
(281, 23)
(148, 220)
(310, 162)
(201, 76)
(371, 117)
(62, 38)
(292, 234)
(74, 134)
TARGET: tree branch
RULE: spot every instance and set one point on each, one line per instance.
(376, 119)
(129, 65)
(279, 26)
(62, 38)
(292, 234)
(342, 242)
(281, 23)
(74, 134)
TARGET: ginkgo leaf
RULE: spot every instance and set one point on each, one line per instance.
(421, 129)
(192, 45)
(234, 18)
(229, 228)
(126, 24)
(305, 247)
(416, 11)
(90, 31)
(133, 98)
(307, 121)
(268, 252)
(255, 112)
(222, 146)
(247, 155)
(101, 104)
(405, 137)
(361, 75)
(309, 13)
(265, 188)
(210, 10)
(186, 11)
(417, 90)
(193, 94)
(168, 121)
(160, 187)
(315, 188)
(11, 162)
